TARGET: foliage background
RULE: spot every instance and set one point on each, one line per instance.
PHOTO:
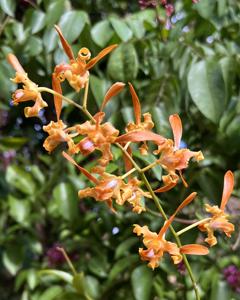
(192, 69)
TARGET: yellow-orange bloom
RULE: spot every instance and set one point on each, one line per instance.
(219, 219)
(29, 91)
(157, 245)
(57, 135)
(110, 187)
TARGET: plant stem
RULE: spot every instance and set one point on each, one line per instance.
(128, 173)
(192, 226)
(161, 210)
(67, 260)
(85, 96)
(84, 110)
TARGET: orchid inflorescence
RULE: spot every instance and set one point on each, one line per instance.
(97, 134)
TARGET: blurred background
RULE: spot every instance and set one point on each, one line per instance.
(185, 61)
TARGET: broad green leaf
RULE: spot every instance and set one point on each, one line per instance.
(92, 287)
(66, 197)
(34, 46)
(72, 24)
(207, 89)
(20, 179)
(136, 26)
(12, 259)
(101, 33)
(228, 66)
(51, 293)
(8, 6)
(123, 63)
(99, 88)
(37, 173)
(220, 290)
(35, 20)
(121, 265)
(7, 143)
(68, 278)
(206, 8)
(50, 39)
(121, 28)
(79, 283)
(19, 209)
(148, 16)
(123, 248)
(98, 267)
(6, 85)
(141, 279)
(54, 12)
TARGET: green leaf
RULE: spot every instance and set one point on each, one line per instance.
(8, 6)
(79, 283)
(66, 198)
(98, 266)
(101, 33)
(50, 39)
(98, 87)
(72, 24)
(20, 179)
(12, 259)
(34, 46)
(12, 142)
(206, 86)
(220, 290)
(6, 85)
(123, 63)
(92, 287)
(68, 278)
(121, 265)
(136, 26)
(141, 279)
(54, 12)
(35, 20)
(19, 210)
(51, 293)
(121, 28)
(123, 248)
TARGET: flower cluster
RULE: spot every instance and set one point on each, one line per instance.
(99, 136)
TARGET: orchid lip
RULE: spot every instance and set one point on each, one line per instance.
(19, 95)
(87, 145)
(112, 183)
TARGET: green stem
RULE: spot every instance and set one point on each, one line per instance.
(192, 226)
(161, 210)
(83, 109)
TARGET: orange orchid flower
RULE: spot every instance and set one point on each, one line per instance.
(29, 92)
(172, 158)
(157, 245)
(110, 187)
(57, 134)
(76, 72)
(219, 219)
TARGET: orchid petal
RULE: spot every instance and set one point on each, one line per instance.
(81, 169)
(113, 91)
(136, 104)
(166, 188)
(227, 188)
(67, 48)
(194, 249)
(181, 206)
(176, 125)
(57, 99)
(100, 55)
(12, 59)
(141, 136)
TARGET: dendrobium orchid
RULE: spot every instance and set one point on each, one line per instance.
(29, 92)
(110, 187)
(76, 72)
(157, 245)
(219, 220)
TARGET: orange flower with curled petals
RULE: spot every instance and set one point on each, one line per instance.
(172, 158)
(219, 219)
(76, 72)
(138, 125)
(157, 245)
(29, 91)
(110, 187)
(57, 135)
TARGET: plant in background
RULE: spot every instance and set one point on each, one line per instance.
(95, 135)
